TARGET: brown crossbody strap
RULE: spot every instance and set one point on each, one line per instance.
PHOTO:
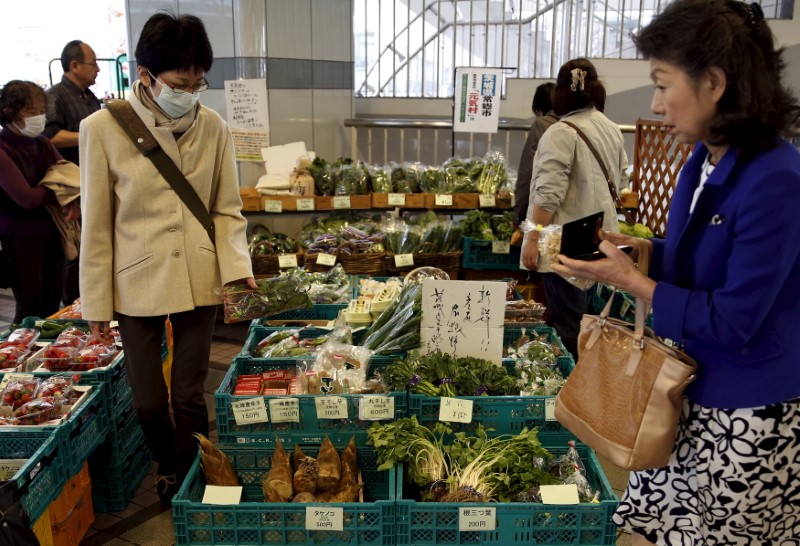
(611, 186)
(144, 140)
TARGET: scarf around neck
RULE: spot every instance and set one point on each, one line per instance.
(176, 125)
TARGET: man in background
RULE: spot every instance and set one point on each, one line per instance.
(68, 103)
(543, 109)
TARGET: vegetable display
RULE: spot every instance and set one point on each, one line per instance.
(397, 328)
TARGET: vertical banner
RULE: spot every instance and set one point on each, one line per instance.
(464, 318)
(248, 117)
(477, 100)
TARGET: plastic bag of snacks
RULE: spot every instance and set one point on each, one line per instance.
(550, 248)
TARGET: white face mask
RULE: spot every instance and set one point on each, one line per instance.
(34, 125)
(175, 104)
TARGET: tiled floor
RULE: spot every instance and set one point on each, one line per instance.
(145, 522)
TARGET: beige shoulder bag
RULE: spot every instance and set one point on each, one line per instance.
(624, 397)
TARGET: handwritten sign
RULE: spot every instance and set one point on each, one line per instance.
(249, 411)
(550, 409)
(284, 410)
(487, 200)
(247, 104)
(501, 247)
(479, 518)
(376, 408)
(455, 410)
(403, 260)
(443, 200)
(331, 407)
(341, 202)
(273, 206)
(397, 199)
(287, 260)
(326, 259)
(464, 318)
(9, 467)
(324, 518)
(306, 203)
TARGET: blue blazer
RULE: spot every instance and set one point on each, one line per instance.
(729, 277)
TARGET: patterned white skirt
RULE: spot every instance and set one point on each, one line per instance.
(732, 479)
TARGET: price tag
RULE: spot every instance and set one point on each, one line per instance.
(9, 467)
(273, 206)
(444, 200)
(249, 411)
(331, 407)
(550, 409)
(284, 410)
(397, 199)
(324, 518)
(341, 202)
(9, 376)
(513, 200)
(403, 260)
(113, 324)
(624, 308)
(307, 203)
(455, 410)
(478, 518)
(560, 494)
(376, 408)
(222, 495)
(38, 323)
(501, 247)
(487, 200)
(287, 260)
(326, 259)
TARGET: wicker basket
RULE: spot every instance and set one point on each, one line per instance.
(449, 261)
(364, 263)
(269, 264)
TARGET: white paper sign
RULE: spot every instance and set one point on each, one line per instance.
(477, 518)
(455, 410)
(403, 260)
(501, 247)
(331, 407)
(224, 495)
(341, 202)
(487, 200)
(464, 318)
(560, 494)
(444, 200)
(247, 144)
(550, 409)
(376, 408)
(477, 100)
(284, 410)
(249, 411)
(324, 518)
(247, 104)
(9, 467)
(273, 206)
(397, 199)
(287, 260)
(306, 203)
(326, 259)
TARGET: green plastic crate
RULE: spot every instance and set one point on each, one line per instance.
(585, 524)
(309, 425)
(254, 521)
(116, 479)
(478, 255)
(42, 477)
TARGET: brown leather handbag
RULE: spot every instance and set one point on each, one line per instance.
(624, 397)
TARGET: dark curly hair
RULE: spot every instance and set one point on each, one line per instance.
(593, 94)
(170, 42)
(15, 96)
(697, 35)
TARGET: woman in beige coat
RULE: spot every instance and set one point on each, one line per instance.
(144, 255)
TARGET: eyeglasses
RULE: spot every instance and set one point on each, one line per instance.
(187, 89)
(94, 64)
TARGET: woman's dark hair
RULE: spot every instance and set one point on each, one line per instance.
(170, 42)
(71, 52)
(542, 101)
(15, 96)
(593, 93)
(697, 35)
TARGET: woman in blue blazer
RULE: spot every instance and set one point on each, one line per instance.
(725, 283)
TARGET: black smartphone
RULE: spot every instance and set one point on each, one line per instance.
(580, 239)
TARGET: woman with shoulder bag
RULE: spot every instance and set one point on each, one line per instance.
(725, 283)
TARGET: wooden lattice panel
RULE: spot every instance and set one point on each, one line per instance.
(656, 162)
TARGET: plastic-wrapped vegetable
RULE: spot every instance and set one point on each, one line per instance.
(478, 225)
(398, 327)
(502, 227)
(381, 180)
(433, 180)
(494, 174)
(273, 296)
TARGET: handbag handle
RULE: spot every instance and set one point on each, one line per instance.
(611, 186)
(641, 308)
